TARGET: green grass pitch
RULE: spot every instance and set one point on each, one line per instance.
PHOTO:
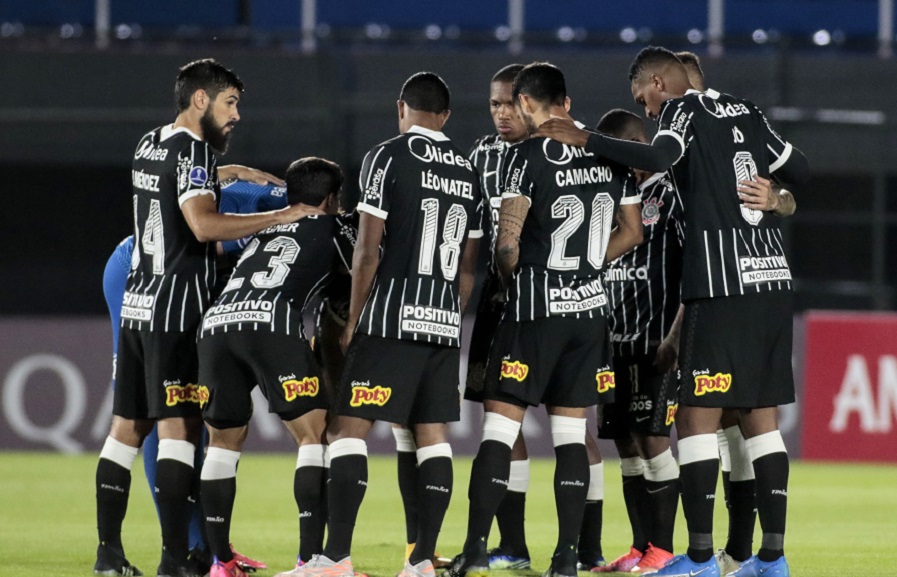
(842, 519)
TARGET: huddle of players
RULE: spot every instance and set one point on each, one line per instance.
(551, 345)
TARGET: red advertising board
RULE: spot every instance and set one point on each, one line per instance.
(850, 387)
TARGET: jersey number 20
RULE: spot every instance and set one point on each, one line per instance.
(571, 209)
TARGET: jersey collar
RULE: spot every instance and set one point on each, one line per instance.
(650, 180)
(437, 136)
(709, 92)
(169, 130)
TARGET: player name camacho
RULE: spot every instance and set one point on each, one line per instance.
(431, 321)
(240, 312)
(578, 176)
(764, 269)
(145, 181)
(446, 185)
(575, 300)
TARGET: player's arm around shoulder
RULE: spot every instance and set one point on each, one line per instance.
(629, 231)
(208, 225)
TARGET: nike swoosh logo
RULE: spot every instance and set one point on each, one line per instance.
(488, 174)
(650, 492)
(640, 419)
(693, 573)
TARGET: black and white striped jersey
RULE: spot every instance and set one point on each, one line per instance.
(172, 273)
(281, 269)
(428, 194)
(729, 249)
(573, 200)
(643, 285)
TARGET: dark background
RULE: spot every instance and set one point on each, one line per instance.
(71, 114)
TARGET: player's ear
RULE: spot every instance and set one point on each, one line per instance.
(567, 104)
(400, 105)
(201, 99)
(657, 82)
(443, 117)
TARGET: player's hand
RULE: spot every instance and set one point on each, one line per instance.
(758, 194)
(295, 212)
(562, 130)
(253, 175)
(667, 358)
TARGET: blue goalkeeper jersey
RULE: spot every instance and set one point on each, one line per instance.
(241, 197)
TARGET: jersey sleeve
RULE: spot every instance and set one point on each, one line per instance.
(197, 173)
(345, 238)
(675, 123)
(631, 194)
(778, 148)
(375, 174)
(517, 181)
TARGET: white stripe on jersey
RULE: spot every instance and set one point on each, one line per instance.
(709, 270)
(722, 263)
(386, 304)
(174, 283)
(735, 256)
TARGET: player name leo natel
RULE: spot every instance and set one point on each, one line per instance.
(446, 185)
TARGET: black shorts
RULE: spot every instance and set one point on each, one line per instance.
(735, 352)
(231, 364)
(561, 362)
(646, 400)
(156, 375)
(402, 382)
(328, 329)
(484, 328)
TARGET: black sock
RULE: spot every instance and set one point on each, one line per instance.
(511, 517)
(488, 485)
(636, 507)
(408, 477)
(727, 487)
(571, 485)
(590, 532)
(661, 505)
(698, 482)
(113, 485)
(173, 482)
(434, 494)
(218, 505)
(348, 482)
(307, 490)
(771, 474)
(742, 516)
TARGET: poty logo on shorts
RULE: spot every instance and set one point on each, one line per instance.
(514, 370)
(198, 176)
(190, 393)
(718, 383)
(606, 381)
(370, 396)
(307, 387)
(671, 414)
(204, 395)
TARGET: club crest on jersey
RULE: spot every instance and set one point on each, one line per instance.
(190, 393)
(671, 414)
(307, 387)
(514, 370)
(198, 176)
(651, 211)
(560, 154)
(718, 383)
(605, 379)
(364, 394)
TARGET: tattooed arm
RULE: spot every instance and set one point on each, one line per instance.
(510, 224)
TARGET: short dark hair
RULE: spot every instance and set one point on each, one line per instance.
(508, 73)
(690, 59)
(206, 74)
(648, 57)
(543, 82)
(621, 124)
(311, 180)
(426, 92)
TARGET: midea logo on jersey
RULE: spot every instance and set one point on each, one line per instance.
(567, 153)
(423, 149)
(720, 110)
(149, 152)
(625, 273)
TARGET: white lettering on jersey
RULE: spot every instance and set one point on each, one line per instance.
(149, 152)
(431, 320)
(446, 185)
(577, 176)
(763, 269)
(568, 152)
(145, 181)
(574, 300)
(423, 149)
